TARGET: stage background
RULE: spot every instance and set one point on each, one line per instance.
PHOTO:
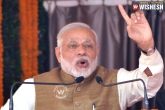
(117, 50)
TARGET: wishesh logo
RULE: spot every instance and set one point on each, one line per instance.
(60, 92)
(135, 6)
(146, 5)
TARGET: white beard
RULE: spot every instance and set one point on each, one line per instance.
(71, 68)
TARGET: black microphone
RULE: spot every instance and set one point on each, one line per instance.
(77, 80)
(100, 81)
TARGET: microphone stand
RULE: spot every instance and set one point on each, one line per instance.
(100, 81)
(77, 80)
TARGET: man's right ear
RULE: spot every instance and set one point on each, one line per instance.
(58, 54)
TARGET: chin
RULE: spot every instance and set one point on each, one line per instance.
(85, 72)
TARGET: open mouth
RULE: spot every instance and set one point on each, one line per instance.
(82, 64)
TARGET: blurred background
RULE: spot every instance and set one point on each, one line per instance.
(29, 28)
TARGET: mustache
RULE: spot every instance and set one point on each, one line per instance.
(80, 58)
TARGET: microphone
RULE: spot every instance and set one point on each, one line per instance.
(100, 81)
(77, 80)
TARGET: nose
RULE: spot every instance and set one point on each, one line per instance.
(81, 50)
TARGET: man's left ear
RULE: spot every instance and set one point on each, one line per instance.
(98, 49)
(58, 53)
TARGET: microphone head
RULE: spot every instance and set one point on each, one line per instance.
(79, 79)
(98, 79)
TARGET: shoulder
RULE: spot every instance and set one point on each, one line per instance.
(107, 74)
(105, 70)
(29, 80)
(48, 75)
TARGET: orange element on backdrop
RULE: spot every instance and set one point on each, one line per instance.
(1, 58)
(29, 37)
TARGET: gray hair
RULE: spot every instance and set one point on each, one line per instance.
(72, 26)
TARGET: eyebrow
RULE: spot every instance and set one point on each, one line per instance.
(73, 40)
(88, 40)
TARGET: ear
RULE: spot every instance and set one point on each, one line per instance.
(97, 50)
(58, 53)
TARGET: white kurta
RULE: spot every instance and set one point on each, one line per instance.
(130, 93)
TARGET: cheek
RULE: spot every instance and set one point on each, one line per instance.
(68, 56)
(92, 55)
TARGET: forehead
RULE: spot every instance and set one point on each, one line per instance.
(79, 34)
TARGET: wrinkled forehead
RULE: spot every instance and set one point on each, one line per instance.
(79, 35)
(87, 40)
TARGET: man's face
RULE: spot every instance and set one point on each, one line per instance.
(78, 53)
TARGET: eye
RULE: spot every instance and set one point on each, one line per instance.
(88, 46)
(73, 46)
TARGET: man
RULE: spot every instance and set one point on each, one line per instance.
(77, 52)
